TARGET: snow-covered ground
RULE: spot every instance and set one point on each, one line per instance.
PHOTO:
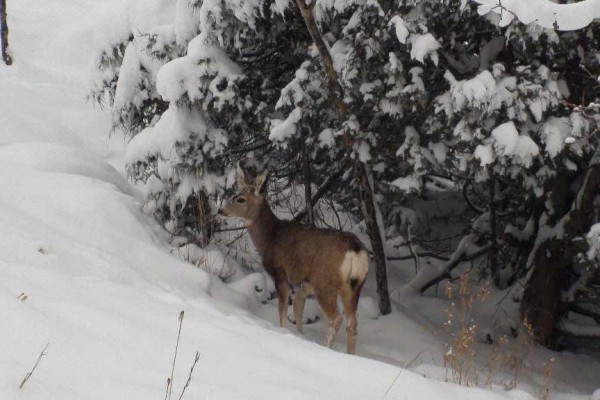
(84, 271)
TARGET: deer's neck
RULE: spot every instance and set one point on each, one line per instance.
(263, 228)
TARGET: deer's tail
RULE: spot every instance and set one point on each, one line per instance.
(355, 268)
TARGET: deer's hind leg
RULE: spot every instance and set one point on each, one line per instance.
(350, 297)
(328, 302)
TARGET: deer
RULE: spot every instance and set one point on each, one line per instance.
(310, 261)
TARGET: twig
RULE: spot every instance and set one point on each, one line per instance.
(170, 380)
(409, 362)
(42, 354)
(393, 382)
(324, 188)
(468, 200)
(420, 255)
(190, 376)
(238, 228)
(413, 253)
(590, 75)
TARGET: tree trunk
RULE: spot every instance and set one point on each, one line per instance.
(4, 34)
(541, 305)
(493, 254)
(205, 220)
(308, 189)
(370, 215)
(367, 198)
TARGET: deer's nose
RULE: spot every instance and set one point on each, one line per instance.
(222, 212)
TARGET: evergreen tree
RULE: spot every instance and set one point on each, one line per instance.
(417, 102)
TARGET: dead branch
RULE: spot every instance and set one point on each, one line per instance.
(453, 263)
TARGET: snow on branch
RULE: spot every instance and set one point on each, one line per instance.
(431, 275)
(563, 17)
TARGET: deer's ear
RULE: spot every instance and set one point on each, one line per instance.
(260, 183)
(242, 178)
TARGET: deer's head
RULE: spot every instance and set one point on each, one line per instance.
(248, 198)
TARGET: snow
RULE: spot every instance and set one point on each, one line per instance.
(479, 89)
(407, 184)
(105, 291)
(423, 46)
(555, 134)
(544, 12)
(485, 154)
(183, 77)
(508, 142)
(440, 151)
(593, 239)
(401, 29)
(285, 129)
(129, 77)
(363, 151)
(186, 24)
(170, 129)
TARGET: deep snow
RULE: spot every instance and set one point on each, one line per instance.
(105, 292)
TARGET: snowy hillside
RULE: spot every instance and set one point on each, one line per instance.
(86, 272)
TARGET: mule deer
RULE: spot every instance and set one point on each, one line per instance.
(319, 262)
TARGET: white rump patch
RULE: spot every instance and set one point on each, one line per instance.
(355, 266)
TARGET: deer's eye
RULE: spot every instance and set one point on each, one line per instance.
(240, 200)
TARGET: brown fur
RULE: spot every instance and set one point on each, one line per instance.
(297, 255)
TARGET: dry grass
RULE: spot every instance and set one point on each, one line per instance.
(460, 355)
(509, 359)
(169, 389)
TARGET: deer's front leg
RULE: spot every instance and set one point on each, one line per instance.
(283, 292)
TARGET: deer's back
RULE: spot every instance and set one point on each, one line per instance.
(309, 254)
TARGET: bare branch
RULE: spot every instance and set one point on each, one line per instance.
(420, 255)
(324, 188)
(453, 263)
